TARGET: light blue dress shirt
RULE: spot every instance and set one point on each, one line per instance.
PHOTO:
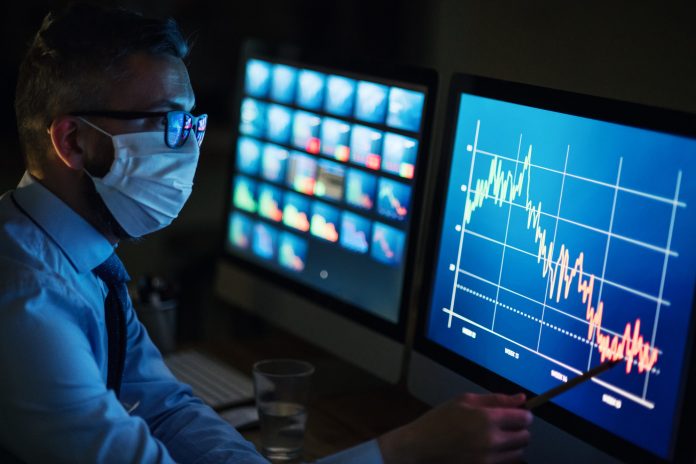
(54, 405)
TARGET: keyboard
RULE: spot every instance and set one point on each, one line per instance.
(217, 384)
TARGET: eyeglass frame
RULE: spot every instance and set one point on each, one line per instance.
(193, 123)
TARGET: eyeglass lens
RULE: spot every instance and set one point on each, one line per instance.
(179, 125)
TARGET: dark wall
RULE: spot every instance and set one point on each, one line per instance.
(638, 51)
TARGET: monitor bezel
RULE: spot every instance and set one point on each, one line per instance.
(402, 75)
(604, 109)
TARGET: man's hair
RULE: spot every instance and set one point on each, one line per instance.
(74, 62)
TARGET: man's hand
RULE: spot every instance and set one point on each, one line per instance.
(469, 429)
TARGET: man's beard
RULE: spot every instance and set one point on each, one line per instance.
(105, 220)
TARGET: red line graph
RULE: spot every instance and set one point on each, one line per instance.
(501, 186)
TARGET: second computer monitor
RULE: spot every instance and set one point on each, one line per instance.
(323, 194)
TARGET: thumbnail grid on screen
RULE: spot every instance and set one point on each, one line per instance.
(323, 157)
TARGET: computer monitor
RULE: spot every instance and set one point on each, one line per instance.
(325, 183)
(566, 238)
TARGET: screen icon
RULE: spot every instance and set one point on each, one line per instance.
(325, 221)
(292, 253)
(405, 109)
(366, 147)
(355, 232)
(244, 195)
(265, 242)
(284, 80)
(248, 155)
(387, 244)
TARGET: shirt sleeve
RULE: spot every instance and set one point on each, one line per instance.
(364, 453)
(191, 431)
(54, 405)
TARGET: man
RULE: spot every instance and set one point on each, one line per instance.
(103, 109)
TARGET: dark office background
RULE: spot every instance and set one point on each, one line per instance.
(638, 51)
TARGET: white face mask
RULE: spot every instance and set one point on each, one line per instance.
(148, 182)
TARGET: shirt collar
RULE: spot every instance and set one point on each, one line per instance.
(83, 245)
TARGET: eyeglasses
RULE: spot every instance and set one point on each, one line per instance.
(177, 127)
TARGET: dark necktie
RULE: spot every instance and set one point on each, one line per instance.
(114, 275)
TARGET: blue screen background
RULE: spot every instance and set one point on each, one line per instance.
(504, 317)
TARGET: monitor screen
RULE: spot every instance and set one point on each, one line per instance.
(566, 241)
(325, 180)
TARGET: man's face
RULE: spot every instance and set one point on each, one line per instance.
(150, 83)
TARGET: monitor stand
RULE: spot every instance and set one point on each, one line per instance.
(374, 352)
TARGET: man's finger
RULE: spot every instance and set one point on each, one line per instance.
(511, 418)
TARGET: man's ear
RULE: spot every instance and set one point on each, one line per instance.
(66, 143)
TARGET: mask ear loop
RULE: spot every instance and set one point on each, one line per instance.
(100, 130)
(94, 126)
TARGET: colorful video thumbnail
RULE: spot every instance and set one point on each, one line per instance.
(248, 155)
(305, 132)
(265, 242)
(257, 78)
(292, 253)
(279, 122)
(283, 83)
(371, 104)
(273, 163)
(340, 96)
(330, 179)
(310, 90)
(296, 211)
(355, 231)
(302, 173)
(405, 109)
(325, 221)
(335, 139)
(387, 244)
(393, 199)
(244, 194)
(239, 230)
(400, 155)
(366, 147)
(270, 202)
(360, 189)
(253, 118)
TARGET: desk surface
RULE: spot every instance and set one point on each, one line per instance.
(347, 405)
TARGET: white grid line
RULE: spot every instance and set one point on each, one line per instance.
(555, 229)
(594, 181)
(606, 253)
(633, 291)
(608, 386)
(507, 226)
(664, 273)
(633, 241)
(461, 237)
(580, 338)
(559, 311)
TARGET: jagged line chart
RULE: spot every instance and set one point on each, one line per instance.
(562, 267)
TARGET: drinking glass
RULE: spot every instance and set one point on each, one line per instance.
(282, 390)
